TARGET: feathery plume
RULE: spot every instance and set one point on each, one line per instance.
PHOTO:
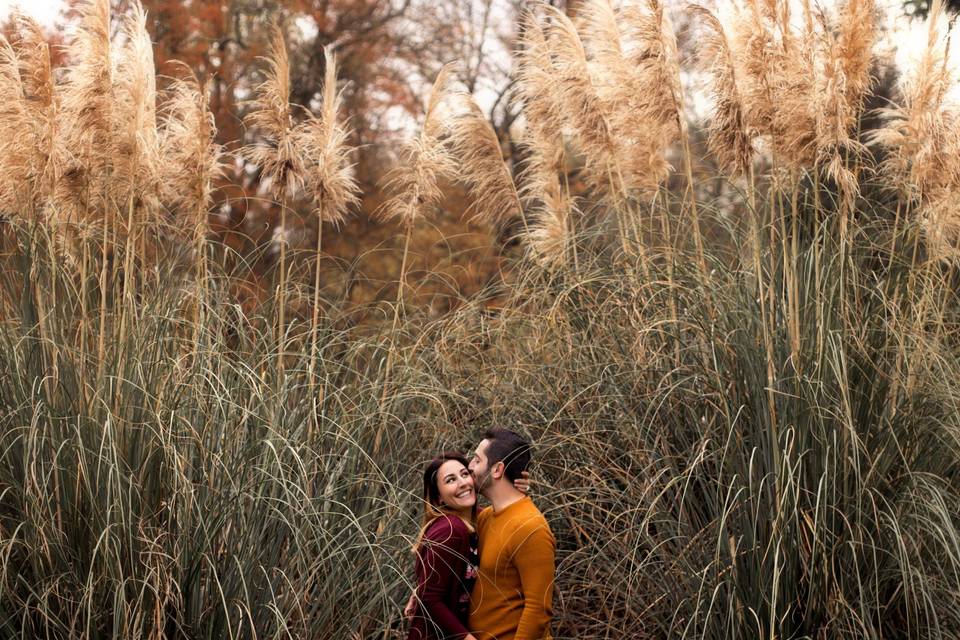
(36, 73)
(596, 21)
(87, 116)
(917, 132)
(728, 138)
(654, 54)
(415, 182)
(835, 115)
(922, 137)
(548, 235)
(477, 149)
(33, 52)
(548, 240)
(13, 152)
(642, 115)
(192, 160)
(323, 144)
(542, 109)
(578, 98)
(272, 118)
(136, 154)
(778, 87)
(857, 33)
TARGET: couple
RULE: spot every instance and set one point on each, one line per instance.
(506, 593)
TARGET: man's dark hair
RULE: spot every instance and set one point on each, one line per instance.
(507, 447)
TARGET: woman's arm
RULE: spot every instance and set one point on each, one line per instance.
(522, 483)
(443, 554)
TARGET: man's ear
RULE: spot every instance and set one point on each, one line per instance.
(498, 470)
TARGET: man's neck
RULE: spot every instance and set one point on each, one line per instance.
(502, 495)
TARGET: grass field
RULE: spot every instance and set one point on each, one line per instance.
(744, 407)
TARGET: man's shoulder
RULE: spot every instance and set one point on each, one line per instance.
(529, 520)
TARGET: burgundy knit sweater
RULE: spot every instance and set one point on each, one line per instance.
(446, 570)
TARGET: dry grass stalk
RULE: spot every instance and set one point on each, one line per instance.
(654, 54)
(28, 121)
(415, 183)
(728, 137)
(549, 238)
(542, 109)
(477, 149)
(917, 131)
(322, 142)
(836, 116)
(804, 90)
(857, 33)
(777, 84)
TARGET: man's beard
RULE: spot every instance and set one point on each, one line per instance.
(482, 482)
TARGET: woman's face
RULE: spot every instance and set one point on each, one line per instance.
(456, 486)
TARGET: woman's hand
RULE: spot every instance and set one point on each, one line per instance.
(469, 636)
(523, 483)
(411, 607)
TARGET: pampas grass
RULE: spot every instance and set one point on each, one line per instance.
(135, 179)
(309, 157)
(29, 119)
(920, 136)
(728, 138)
(628, 77)
(548, 239)
(88, 122)
(415, 184)
(766, 449)
(577, 98)
(475, 145)
(329, 180)
(275, 151)
(192, 159)
(13, 167)
(324, 142)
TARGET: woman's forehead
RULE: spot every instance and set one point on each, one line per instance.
(450, 466)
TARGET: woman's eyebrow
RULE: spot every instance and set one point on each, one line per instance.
(449, 475)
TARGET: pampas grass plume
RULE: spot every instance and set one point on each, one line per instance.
(271, 117)
(477, 149)
(192, 160)
(414, 184)
(728, 138)
(323, 144)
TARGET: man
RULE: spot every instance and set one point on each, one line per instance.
(512, 597)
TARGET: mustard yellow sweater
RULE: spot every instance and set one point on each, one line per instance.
(512, 597)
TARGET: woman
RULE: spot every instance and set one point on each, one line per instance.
(446, 564)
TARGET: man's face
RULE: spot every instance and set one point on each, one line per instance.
(480, 467)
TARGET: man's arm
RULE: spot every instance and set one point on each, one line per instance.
(534, 560)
